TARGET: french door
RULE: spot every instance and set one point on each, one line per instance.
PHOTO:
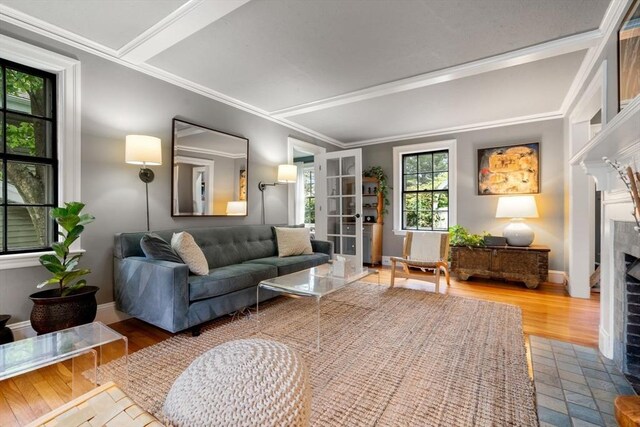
(339, 202)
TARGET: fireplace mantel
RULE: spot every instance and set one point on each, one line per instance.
(619, 140)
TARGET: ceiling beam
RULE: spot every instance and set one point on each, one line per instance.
(188, 19)
(522, 56)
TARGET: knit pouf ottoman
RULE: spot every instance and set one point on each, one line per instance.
(249, 382)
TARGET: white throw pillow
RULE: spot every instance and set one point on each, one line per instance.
(187, 248)
(293, 241)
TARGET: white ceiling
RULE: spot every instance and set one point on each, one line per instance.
(346, 71)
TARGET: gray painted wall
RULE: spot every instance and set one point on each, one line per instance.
(117, 101)
(478, 212)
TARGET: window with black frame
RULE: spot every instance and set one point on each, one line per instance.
(425, 190)
(28, 158)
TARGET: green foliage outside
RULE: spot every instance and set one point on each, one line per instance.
(64, 268)
(309, 197)
(459, 236)
(425, 174)
(28, 136)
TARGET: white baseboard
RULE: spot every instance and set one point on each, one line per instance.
(557, 276)
(106, 314)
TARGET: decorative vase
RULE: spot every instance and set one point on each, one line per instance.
(52, 312)
(6, 336)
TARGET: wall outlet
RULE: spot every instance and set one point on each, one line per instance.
(386, 260)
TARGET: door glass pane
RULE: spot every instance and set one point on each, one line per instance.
(349, 166)
(333, 206)
(333, 167)
(29, 183)
(333, 225)
(28, 136)
(349, 206)
(333, 186)
(348, 227)
(28, 227)
(336, 243)
(349, 245)
(349, 186)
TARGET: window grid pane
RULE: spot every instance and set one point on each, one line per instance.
(425, 191)
(28, 158)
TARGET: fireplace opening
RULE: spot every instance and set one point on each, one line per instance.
(632, 330)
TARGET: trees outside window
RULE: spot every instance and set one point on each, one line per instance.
(309, 196)
(28, 160)
(425, 190)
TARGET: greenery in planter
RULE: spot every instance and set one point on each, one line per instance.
(64, 268)
(459, 236)
(383, 187)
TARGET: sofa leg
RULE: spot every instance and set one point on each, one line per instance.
(195, 331)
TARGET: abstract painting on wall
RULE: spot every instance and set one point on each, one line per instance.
(629, 56)
(512, 169)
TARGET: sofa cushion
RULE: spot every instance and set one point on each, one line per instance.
(187, 248)
(155, 247)
(231, 278)
(292, 264)
(293, 241)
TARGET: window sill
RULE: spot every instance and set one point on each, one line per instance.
(29, 259)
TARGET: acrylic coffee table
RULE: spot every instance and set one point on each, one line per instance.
(90, 341)
(316, 282)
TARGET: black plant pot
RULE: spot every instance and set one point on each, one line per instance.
(6, 336)
(52, 312)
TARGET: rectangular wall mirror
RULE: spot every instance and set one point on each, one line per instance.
(210, 171)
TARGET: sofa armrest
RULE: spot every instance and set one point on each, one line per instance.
(322, 246)
(154, 291)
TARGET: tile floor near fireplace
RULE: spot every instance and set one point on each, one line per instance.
(575, 385)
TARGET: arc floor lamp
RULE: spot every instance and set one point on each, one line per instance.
(287, 174)
(146, 151)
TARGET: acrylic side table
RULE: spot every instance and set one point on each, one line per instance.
(84, 345)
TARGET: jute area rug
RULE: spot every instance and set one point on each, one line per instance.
(389, 357)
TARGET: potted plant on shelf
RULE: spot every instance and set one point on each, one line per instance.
(72, 302)
(382, 188)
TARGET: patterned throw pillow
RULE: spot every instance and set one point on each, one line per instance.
(293, 241)
(187, 248)
(155, 247)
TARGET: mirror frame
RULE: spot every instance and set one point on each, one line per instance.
(173, 155)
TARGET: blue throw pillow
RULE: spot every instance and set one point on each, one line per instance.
(155, 247)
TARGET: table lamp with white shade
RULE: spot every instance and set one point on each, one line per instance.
(517, 232)
(237, 208)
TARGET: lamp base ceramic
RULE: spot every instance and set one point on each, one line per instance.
(518, 233)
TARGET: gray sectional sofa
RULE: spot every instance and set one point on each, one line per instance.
(164, 294)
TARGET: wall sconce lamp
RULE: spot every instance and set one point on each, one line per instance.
(517, 232)
(146, 151)
(237, 208)
(287, 174)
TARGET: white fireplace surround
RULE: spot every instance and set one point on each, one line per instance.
(619, 140)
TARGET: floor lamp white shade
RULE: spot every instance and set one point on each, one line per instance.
(517, 232)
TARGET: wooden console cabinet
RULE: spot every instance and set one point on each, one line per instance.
(525, 264)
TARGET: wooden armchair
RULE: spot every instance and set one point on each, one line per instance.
(425, 250)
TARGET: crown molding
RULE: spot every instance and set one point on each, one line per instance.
(188, 19)
(613, 15)
(460, 129)
(498, 62)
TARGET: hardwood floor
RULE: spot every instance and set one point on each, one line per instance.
(547, 311)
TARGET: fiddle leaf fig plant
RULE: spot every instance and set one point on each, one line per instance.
(64, 267)
(383, 187)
